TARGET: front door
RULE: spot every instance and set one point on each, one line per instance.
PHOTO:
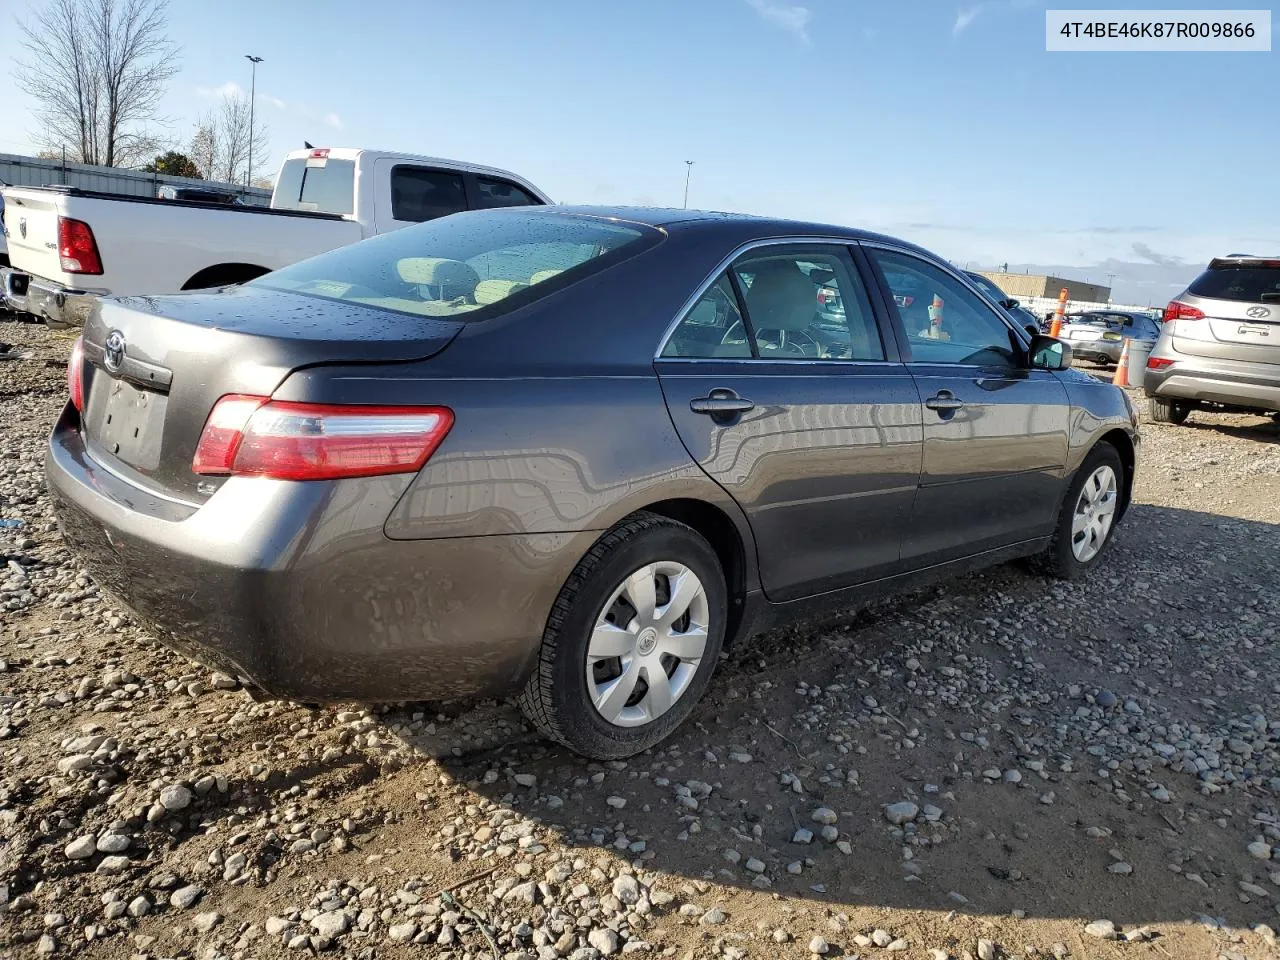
(780, 385)
(995, 432)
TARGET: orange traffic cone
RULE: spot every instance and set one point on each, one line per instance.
(1121, 379)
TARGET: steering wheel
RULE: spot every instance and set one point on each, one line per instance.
(786, 344)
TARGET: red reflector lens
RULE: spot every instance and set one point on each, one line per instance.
(253, 436)
(320, 153)
(1158, 363)
(77, 250)
(1177, 310)
(75, 374)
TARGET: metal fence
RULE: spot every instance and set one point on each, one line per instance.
(1042, 305)
(39, 172)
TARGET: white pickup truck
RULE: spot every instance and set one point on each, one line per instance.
(69, 246)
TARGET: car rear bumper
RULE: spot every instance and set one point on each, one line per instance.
(60, 307)
(1247, 385)
(294, 588)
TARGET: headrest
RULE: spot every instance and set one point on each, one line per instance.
(437, 270)
(491, 291)
(781, 297)
(544, 275)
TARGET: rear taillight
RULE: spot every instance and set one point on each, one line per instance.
(77, 250)
(1158, 363)
(256, 436)
(75, 374)
(1177, 310)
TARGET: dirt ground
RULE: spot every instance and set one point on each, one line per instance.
(1053, 754)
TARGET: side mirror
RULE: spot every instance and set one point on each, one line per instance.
(1048, 353)
(1009, 304)
(1032, 329)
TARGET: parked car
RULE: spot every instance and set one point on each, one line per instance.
(568, 454)
(168, 191)
(1020, 314)
(1099, 335)
(1219, 347)
(71, 246)
(4, 246)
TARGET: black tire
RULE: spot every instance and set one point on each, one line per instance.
(1168, 411)
(556, 699)
(1059, 560)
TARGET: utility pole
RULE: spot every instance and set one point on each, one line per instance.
(253, 90)
(688, 172)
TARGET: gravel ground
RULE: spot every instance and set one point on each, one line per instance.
(1000, 767)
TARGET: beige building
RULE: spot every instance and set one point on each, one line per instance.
(1019, 285)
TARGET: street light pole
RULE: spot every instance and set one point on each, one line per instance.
(253, 90)
(688, 172)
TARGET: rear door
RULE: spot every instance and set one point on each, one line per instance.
(783, 389)
(995, 432)
(408, 193)
(1240, 300)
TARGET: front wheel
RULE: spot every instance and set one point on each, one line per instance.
(1168, 411)
(1088, 515)
(631, 642)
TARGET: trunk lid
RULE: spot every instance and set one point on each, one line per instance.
(31, 219)
(155, 366)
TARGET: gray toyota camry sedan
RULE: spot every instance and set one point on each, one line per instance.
(569, 455)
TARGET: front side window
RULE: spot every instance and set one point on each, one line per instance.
(467, 268)
(944, 321)
(807, 303)
(419, 194)
(500, 193)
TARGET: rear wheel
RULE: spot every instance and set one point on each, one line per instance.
(631, 642)
(1088, 516)
(1168, 411)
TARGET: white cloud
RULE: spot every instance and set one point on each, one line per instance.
(228, 89)
(333, 120)
(964, 18)
(791, 18)
(273, 101)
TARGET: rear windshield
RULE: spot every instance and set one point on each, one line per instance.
(1237, 283)
(469, 265)
(318, 184)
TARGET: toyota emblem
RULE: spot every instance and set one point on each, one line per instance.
(1258, 313)
(113, 351)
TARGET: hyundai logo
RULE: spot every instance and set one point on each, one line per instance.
(1258, 313)
(113, 351)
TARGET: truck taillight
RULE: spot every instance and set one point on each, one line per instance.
(257, 436)
(75, 374)
(320, 153)
(77, 250)
(1177, 310)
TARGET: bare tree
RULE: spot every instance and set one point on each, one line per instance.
(98, 70)
(220, 144)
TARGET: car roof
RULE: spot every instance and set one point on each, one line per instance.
(750, 226)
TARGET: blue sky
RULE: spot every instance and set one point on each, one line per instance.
(944, 123)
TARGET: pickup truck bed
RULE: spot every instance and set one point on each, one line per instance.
(172, 245)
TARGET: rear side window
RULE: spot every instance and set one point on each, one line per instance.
(419, 194)
(1238, 283)
(318, 184)
(500, 193)
(468, 268)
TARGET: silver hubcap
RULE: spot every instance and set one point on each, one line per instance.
(647, 643)
(1095, 511)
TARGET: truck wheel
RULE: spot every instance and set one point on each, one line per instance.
(631, 642)
(1088, 515)
(1168, 411)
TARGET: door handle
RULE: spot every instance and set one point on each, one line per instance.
(721, 404)
(944, 401)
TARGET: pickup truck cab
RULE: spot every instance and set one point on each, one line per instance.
(68, 246)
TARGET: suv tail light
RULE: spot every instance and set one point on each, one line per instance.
(1177, 310)
(1158, 363)
(257, 436)
(77, 250)
(75, 374)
